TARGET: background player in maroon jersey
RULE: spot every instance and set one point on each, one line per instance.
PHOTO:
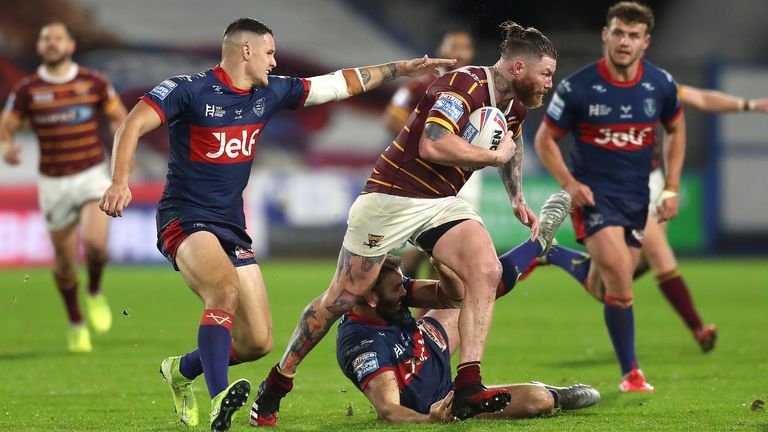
(201, 226)
(456, 44)
(64, 103)
(411, 196)
(596, 104)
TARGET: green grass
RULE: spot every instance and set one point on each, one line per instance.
(548, 329)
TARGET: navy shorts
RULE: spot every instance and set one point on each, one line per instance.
(235, 241)
(611, 211)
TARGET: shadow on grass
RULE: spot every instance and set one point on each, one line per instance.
(30, 355)
(583, 363)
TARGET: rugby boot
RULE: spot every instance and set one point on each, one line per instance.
(471, 401)
(554, 211)
(225, 404)
(635, 381)
(79, 339)
(265, 408)
(99, 314)
(706, 336)
(181, 388)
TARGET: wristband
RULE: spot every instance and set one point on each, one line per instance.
(665, 194)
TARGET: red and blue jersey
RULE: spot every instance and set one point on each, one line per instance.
(613, 124)
(417, 353)
(213, 129)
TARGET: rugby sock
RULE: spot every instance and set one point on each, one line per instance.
(279, 383)
(621, 327)
(514, 262)
(572, 261)
(467, 375)
(214, 341)
(191, 366)
(68, 290)
(95, 268)
(676, 291)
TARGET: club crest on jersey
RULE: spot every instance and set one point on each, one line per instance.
(649, 107)
(258, 107)
(374, 240)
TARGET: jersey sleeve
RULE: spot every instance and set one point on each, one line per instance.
(108, 98)
(18, 100)
(170, 98)
(671, 106)
(453, 101)
(562, 111)
(365, 355)
(291, 92)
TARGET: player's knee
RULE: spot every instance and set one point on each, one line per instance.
(95, 251)
(489, 271)
(224, 297)
(254, 349)
(618, 302)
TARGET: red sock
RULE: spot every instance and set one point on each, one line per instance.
(68, 290)
(676, 291)
(467, 375)
(278, 384)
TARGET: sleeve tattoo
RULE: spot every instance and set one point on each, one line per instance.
(435, 131)
(512, 172)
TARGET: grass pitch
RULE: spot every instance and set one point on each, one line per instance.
(547, 329)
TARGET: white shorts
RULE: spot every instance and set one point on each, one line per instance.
(472, 189)
(62, 197)
(379, 222)
(656, 185)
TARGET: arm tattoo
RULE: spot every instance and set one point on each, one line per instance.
(388, 71)
(512, 173)
(365, 75)
(369, 263)
(435, 131)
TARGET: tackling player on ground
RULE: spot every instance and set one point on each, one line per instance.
(404, 367)
(411, 196)
(214, 120)
(64, 103)
(612, 107)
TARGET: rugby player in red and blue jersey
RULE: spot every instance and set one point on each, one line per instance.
(214, 121)
(403, 366)
(612, 107)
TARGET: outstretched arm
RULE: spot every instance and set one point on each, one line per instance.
(346, 83)
(714, 101)
(142, 119)
(383, 393)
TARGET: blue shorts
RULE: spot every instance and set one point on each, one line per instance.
(611, 211)
(235, 241)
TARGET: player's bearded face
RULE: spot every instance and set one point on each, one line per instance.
(535, 82)
(54, 45)
(391, 295)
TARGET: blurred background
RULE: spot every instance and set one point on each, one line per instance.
(311, 163)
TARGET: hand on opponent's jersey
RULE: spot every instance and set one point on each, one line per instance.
(116, 198)
(580, 193)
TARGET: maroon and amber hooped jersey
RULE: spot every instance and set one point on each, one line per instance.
(613, 125)
(213, 128)
(448, 102)
(64, 113)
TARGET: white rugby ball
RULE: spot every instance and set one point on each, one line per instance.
(486, 127)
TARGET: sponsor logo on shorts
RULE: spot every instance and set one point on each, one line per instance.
(638, 234)
(374, 240)
(595, 219)
(428, 329)
(364, 364)
(162, 90)
(242, 253)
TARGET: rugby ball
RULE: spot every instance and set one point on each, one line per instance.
(486, 127)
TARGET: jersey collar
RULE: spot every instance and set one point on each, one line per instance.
(602, 68)
(222, 75)
(366, 320)
(51, 79)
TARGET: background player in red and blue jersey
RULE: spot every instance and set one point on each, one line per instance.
(404, 366)
(612, 107)
(214, 121)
